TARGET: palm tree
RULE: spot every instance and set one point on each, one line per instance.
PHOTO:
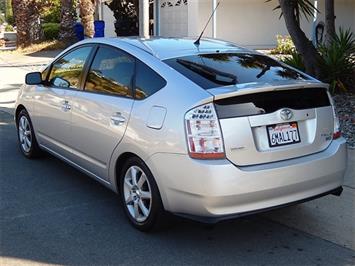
(126, 15)
(27, 18)
(67, 21)
(292, 10)
(87, 10)
(329, 21)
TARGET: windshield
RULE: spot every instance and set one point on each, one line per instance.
(223, 69)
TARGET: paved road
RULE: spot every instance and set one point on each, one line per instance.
(51, 213)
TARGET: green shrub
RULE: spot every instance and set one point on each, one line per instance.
(51, 16)
(338, 62)
(9, 27)
(284, 45)
(295, 60)
(50, 30)
(51, 12)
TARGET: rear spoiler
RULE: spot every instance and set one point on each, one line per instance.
(249, 88)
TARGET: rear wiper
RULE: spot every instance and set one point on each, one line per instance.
(210, 73)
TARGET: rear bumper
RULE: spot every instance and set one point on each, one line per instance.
(215, 190)
(216, 219)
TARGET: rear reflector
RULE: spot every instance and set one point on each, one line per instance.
(337, 135)
(336, 132)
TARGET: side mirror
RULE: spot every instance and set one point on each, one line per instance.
(33, 78)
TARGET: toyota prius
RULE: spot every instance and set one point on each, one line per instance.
(207, 131)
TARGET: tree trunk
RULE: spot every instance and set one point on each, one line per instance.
(126, 15)
(27, 18)
(9, 16)
(67, 21)
(329, 21)
(303, 45)
(87, 10)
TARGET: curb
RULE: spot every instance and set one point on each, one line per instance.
(22, 65)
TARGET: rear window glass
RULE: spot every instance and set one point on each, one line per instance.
(223, 69)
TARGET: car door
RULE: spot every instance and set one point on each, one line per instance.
(53, 107)
(101, 111)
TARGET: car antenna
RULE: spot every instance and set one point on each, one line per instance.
(197, 42)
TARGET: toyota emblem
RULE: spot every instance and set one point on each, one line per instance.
(286, 114)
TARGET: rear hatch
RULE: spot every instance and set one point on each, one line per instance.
(273, 123)
(268, 111)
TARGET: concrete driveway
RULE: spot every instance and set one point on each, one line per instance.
(52, 214)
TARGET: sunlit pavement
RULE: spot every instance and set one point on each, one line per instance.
(52, 214)
(13, 68)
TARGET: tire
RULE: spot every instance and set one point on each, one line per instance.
(26, 136)
(144, 213)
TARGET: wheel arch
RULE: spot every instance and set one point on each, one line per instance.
(119, 165)
(19, 108)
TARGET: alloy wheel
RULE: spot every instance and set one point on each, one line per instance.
(25, 134)
(137, 194)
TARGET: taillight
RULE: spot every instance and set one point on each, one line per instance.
(336, 131)
(203, 133)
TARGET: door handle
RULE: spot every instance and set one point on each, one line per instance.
(66, 106)
(118, 119)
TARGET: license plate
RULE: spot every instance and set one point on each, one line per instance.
(283, 134)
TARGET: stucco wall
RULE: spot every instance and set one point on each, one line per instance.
(254, 24)
(250, 23)
(173, 18)
(107, 15)
(344, 11)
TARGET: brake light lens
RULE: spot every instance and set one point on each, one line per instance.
(203, 133)
(336, 131)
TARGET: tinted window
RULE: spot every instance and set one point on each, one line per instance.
(66, 71)
(223, 69)
(147, 81)
(111, 72)
(271, 101)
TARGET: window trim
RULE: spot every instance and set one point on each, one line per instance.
(48, 84)
(48, 68)
(87, 70)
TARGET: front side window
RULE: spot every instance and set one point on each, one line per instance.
(66, 72)
(111, 72)
(147, 81)
(225, 69)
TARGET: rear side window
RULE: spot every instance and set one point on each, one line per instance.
(224, 69)
(111, 72)
(148, 81)
(66, 72)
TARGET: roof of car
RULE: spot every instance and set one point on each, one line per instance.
(164, 48)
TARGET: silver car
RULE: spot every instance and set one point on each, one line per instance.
(209, 132)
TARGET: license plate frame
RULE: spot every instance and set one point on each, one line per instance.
(281, 129)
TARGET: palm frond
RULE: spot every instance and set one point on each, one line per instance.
(305, 7)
